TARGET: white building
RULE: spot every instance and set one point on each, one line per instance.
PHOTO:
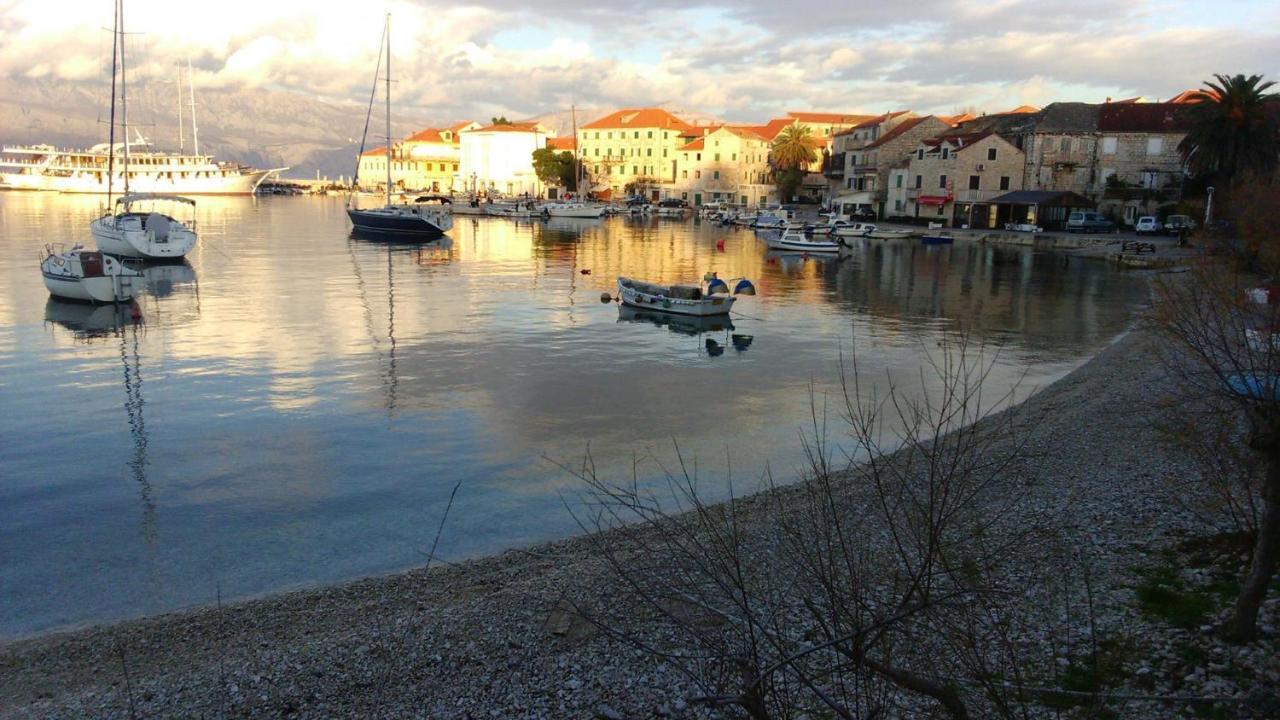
(499, 158)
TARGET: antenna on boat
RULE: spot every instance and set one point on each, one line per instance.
(181, 142)
(191, 89)
(387, 35)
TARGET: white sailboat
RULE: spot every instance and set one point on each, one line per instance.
(573, 208)
(123, 231)
(415, 222)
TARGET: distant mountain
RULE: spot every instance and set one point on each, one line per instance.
(262, 128)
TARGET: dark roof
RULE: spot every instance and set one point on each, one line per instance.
(898, 130)
(1044, 197)
(1067, 117)
(1144, 117)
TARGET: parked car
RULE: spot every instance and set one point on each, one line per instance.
(1175, 224)
(1083, 221)
(1147, 225)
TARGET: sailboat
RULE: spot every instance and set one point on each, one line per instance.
(575, 209)
(419, 220)
(124, 230)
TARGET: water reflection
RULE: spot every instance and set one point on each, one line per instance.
(311, 397)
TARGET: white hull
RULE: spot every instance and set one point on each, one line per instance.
(889, 234)
(580, 211)
(64, 277)
(233, 183)
(704, 307)
(122, 237)
(812, 246)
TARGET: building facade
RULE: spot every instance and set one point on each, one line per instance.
(952, 179)
(631, 147)
(863, 157)
(498, 159)
(428, 161)
(724, 164)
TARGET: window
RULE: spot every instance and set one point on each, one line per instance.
(697, 174)
(1108, 146)
(431, 167)
(1065, 145)
(945, 154)
(597, 134)
(637, 135)
(650, 135)
(648, 152)
(597, 152)
(942, 181)
(717, 175)
(699, 157)
(939, 210)
(974, 182)
(919, 181)
(635, 170)
(1150, 179)
(684, 196)
(665, 135)
(664, 152)
(991, 153)
(897, 205)
(684, 174)
(899, 182)
(717, 157)
(1004, 182)
(1155, 145)
(744, 199)
(920, 154)
(733, 157)
(610, 136)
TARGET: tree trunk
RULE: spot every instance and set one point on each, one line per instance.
(1243, 625)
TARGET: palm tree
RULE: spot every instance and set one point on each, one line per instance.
(792, 149)
(1232, 132)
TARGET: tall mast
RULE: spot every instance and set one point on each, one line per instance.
(181, 144)
(577, 164)
(191, 88)
(111, 134)
(387, 30)
(124, 101)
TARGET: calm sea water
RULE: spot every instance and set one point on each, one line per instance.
(295, 405)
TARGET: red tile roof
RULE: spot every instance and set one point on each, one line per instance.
(871, 122)
(1021, 110)
(562, 143)
(770, 130)
(508, 127)
(698, 144)
(830, 118)
(375, 152)
(1193, 96)
(1143, 117)
(457, 127)
(637, 118)
(430, 135)
(954, 120)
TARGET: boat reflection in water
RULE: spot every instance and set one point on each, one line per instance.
(162, 278)
(692, 326)
(88, 322)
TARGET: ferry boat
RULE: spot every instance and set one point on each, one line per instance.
(44, 167)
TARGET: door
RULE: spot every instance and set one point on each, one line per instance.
(697, 199)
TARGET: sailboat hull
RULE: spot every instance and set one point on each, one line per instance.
(403, 224)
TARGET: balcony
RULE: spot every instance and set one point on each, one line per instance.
(864, 169)
(833, 166)
(978, 196)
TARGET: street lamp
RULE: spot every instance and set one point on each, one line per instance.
(1208, 208)
(473, 184)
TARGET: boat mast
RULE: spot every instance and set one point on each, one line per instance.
(181, 146)
(387, 31)
(124, 99)
(191, 88)
(111, 134)
(577, 164)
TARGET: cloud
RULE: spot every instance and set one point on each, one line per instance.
(745, 60)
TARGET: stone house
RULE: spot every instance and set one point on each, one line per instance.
(954, 178)
(1139, 166)
(868, 161)
(722, 164)
(633, 145)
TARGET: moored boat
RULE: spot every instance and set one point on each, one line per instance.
(937, 239)
(149, 235)
(88, 275)
(793, 237)
(887, 234)
(683, 299)
(574, 210)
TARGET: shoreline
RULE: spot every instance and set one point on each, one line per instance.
(485, 636)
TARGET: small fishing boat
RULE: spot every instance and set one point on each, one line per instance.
(793, 237)
(769, 221)
(886, 234)
(573, 210)
(683, 299)
(855, 229)
(937, 239)
(150, 235)
(88, 275)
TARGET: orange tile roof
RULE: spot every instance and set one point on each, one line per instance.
(375, 152)
(628, 118)
(746, 132)
(698, 144)
(1193, 96)
(770, 130)
(429, 135)
(831, 118)
(1021, 110)
(954, 120)
(562, 143)
(457, 127)
(508, 127)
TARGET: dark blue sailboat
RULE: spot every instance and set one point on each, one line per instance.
(417, 221)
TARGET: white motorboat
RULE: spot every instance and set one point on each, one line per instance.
(886, 234)
(769, 221)
(683, 299)
(573, 210)
(150, 235)
(793, 237)
(88, 275)
(854, 229)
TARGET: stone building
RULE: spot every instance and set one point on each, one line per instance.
(864, 156)
(953, 178)
(629, 147)
(1139, 166)
(722, 164)
(427, 160)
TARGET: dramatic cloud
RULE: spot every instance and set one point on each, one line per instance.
(740, 59)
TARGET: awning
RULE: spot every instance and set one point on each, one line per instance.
(858, 198)
(933, 200)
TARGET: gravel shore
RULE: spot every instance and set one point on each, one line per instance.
(484, 639)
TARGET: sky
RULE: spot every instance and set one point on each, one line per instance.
(740, 60)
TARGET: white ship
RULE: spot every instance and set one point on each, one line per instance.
(44, 167)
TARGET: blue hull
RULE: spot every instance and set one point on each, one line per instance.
(936, 240)
(399, 227)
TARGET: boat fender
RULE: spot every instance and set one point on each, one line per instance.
(720, 244)
(606, 298)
